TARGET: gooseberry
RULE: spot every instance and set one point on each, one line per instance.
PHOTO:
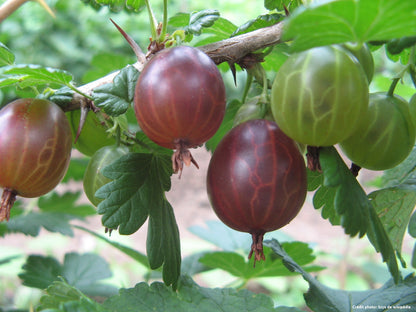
(385, 136)
(256, 180)
(179, 101)
(319, 95)
(93, 136)
(93, 178)
(364, 57)
(35, 149)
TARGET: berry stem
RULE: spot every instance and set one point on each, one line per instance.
(153, 21)
(393, 86)
(7, 200)
(181, 156)
(247, 86)
(257, 248)
(165, 21)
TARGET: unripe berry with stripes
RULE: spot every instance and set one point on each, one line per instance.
(319, 96)
(385, 136)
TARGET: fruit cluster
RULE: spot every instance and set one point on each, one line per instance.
(256, 180)
(320, 97)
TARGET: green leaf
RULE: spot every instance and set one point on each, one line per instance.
(402, 175)
(325, 299)
(60, 295)
(115, 98)
(81, 271)
(40, 272)
(394, 207)
(125, 204)
(189, 298)
(171, 245)
(414, 257)
(324, 198)
(104, 63)
(118, 5)
(32, 222)
(34, 75)
(84, 271)
(350, 200)
(226, 125)
(280, 4)
(314, 179)
(8, 259)
(357, 214)
(137, 191)
(412, 225)
(56, 211)
(221, 29)
(236, 265)
(261, 21)
(6, 56)
(200, 20)
(132, 253)
(287, 309)
(65, 203)
(350, 20)
(222, 236)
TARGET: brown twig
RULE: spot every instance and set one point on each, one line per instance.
(8, 7)
(232, 50)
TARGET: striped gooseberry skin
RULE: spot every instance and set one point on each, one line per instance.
(35, 146)
(180, 98)
(256, 180)
(319, 95)
(385, 136)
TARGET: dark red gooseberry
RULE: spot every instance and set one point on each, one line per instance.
(256, 180)
(35, 149)
(180, 101)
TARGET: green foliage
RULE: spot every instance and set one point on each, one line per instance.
(346, 198)
(226, 125)
(281, 4)
(236, 265)
(200, 20)
(60, 296)
(34, 75)
(83, 271)
(207, 22)
(6, 56)
(189, 297)
(325, 299)
(56, 212)
(257, 23)
(118, 5)
(350, 20)
(115, 98)
(394, 207)
(136, 193)
(132, 253)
